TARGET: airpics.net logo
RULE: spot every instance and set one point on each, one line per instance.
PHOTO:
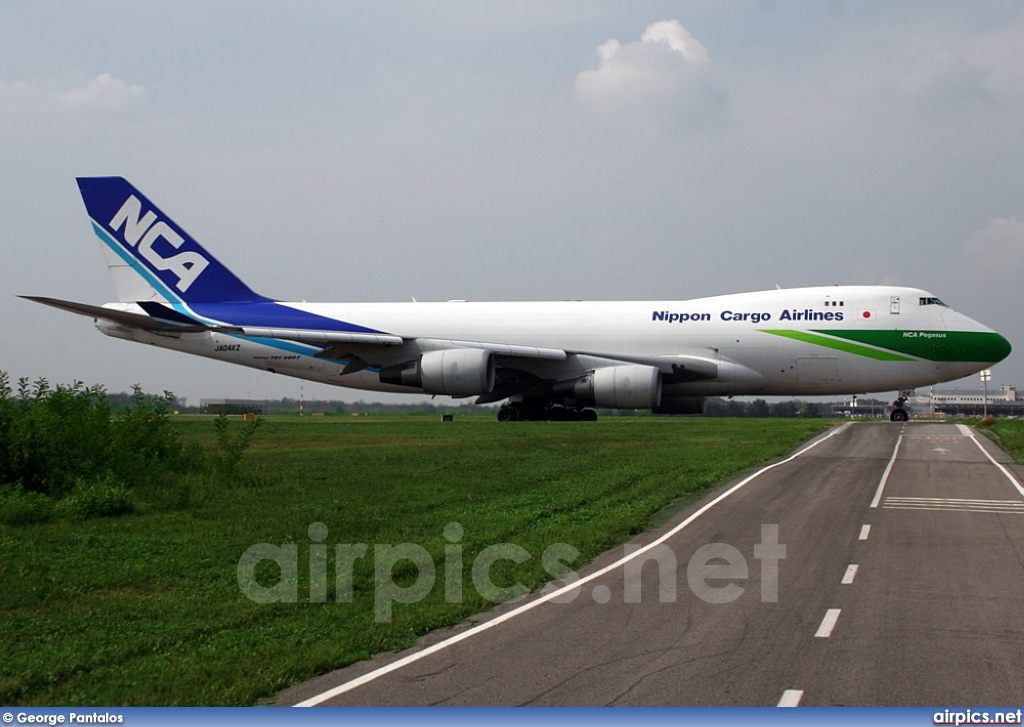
(407, 573)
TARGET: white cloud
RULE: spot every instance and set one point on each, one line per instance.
(105, 92)
(666, 67)
(679, 39)
(102, 93)
(998, 250)
(69, 110)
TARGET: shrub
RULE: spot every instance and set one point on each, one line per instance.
(67, 444)
(227, 458)
(52, 435)
(145, 442)
(18, 507)
(103, 497)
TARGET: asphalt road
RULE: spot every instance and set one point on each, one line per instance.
(884, 566)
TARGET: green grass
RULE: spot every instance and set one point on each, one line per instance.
(145, 609)
(1010, 433)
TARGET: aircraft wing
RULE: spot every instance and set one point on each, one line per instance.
(675, 368)
(359, 350)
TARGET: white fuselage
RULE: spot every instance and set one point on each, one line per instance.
(827, 340)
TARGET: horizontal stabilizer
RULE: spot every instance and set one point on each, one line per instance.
(163, 318)
(125, 318)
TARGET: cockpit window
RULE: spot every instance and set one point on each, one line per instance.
(931, 301)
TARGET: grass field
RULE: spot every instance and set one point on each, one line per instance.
(1010, 435)
(146, 609)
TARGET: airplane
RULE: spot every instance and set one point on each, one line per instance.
(546, 360)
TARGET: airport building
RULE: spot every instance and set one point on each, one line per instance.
(1001, 402)
(1004, 401)
(231, 406)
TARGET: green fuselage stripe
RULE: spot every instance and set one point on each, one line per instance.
(980, 346)
(839, 345)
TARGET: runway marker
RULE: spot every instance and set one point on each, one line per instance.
(946, 504)
(864, 530)
(885, 475)
(827, 624)
(791, 698)
(851, 573)
(487, 625)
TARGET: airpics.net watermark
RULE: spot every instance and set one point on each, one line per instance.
(406, 573)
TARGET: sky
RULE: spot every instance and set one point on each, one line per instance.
(497, 150)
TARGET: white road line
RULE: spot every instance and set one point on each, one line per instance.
(508, 616)
(988, 511)
(851, 573)
(885, 475)
(968, 432)
(827, 624)
(954, 505)
(864, 530)
(791, 698)
(956, 501)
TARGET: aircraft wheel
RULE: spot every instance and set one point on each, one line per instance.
(506, 414)
(898, 415)
(588, 415)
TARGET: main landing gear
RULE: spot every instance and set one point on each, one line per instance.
(518, 412)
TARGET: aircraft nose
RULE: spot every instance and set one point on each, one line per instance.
(1000, 348)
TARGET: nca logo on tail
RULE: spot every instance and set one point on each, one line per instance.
(187, 266)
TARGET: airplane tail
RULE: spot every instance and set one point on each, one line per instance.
(149, 256)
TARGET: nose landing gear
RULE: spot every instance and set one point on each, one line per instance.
(898, 413)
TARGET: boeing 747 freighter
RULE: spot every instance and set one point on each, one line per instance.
(549, 360)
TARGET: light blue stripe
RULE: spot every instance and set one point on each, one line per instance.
(129, 258)
(289, 346)
(177, 304)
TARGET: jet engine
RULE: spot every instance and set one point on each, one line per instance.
(453, 371)
(631, 386)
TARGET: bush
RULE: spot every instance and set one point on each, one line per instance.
(50, 436)
(67, 444)
(18, 507)
(227, 458)
(104, 497)
(145, 443)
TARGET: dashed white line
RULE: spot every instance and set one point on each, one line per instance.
(864, 530)
(828, 624)
(851, 573)
(791, 698)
